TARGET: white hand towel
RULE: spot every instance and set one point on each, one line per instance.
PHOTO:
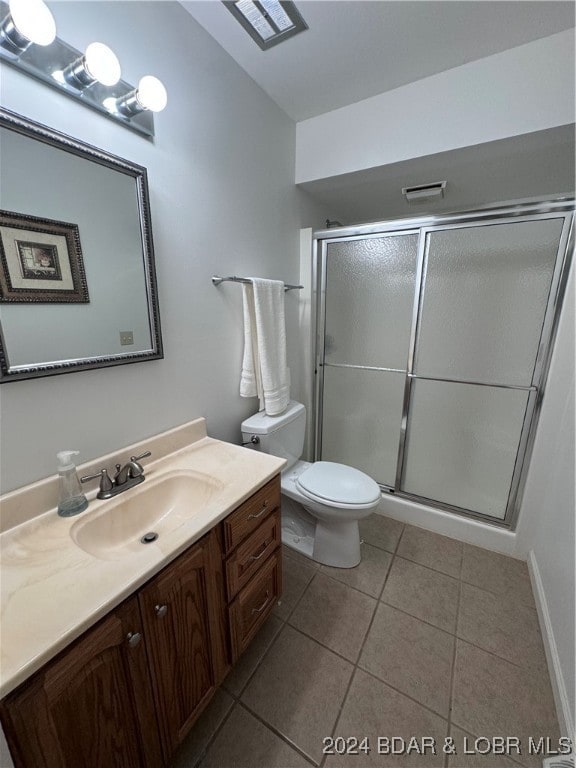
(264, 369)
(250, 377)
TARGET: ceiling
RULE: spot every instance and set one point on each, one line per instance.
(355, 49)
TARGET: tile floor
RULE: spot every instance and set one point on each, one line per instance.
(427, 637)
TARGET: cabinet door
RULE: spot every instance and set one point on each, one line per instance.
(92, 706)
(175, 610)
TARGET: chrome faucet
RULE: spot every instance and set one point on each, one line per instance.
(127, 476)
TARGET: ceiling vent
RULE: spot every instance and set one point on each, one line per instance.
(268, 22)
(424, 192)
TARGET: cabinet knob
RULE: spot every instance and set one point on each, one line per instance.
(161, 610)
(133, 639)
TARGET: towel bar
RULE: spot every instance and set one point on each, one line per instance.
(216, 280)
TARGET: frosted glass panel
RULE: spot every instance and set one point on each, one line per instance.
(485, 296)
(462, 444)
(369, 297)
(361, 420)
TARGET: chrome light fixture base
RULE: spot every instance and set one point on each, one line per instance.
(49, 63)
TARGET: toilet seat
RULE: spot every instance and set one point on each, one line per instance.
(338, 485)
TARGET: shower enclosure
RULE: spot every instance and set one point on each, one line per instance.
(433, 343)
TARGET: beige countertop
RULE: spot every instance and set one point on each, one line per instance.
(52, 590)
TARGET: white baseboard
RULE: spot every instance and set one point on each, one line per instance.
(565, 718)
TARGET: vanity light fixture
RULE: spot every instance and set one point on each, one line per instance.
(99, 64)
(150, 95)
(26, 22)
(268, 22)
(28, 42)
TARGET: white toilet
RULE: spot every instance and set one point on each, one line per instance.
(330, 498)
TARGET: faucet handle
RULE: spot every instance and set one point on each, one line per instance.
(105, 482)
(142, 456)
(137, 469)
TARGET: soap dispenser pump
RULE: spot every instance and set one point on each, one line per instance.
(72, 500)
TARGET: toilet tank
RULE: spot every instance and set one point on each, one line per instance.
(282, 435)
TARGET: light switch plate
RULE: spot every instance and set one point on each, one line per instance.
(126, 337)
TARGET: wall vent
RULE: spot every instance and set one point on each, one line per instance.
(268, 22)
(424, 191)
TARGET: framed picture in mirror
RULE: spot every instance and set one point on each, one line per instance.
(40, 260)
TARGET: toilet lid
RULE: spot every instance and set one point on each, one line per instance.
(338, 483)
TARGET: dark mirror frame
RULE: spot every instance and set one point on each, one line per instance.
(38, 132)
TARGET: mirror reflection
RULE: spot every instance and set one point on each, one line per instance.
(77, 282)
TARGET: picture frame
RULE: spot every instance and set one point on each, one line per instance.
(40, 261)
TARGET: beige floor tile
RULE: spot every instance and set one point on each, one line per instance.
(203, 730)
(438, 552)
(497, 573)
(298, 556)
(501, 625)
(335, 615)
(380, 531)
(247, 663)
(298, 689)
(422, 592)
(469, 752)
(244, 742)
(296, 575)
(494, 697)
(374, 710)
(369, 575)
(410, 655)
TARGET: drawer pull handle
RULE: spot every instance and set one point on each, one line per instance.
(161, 610)
(264, 604)
(262, 550)
(264, 508)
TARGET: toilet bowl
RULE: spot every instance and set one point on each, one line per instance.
(326, 499)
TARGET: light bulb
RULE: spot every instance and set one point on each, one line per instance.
(33, 20)
(151, 94)
(102, 64)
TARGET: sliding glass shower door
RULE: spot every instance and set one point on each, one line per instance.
(433, 344)
(369, 298)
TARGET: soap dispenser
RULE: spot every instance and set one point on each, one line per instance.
(72, 500)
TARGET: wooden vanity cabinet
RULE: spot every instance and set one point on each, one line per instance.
(92, 706)
(127, 692)
(252, 538)
(182, 615)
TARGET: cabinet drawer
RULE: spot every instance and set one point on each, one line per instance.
(254, 603)
(249, 515)
(252, 553)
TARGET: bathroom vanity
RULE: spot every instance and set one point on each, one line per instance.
(120, 676)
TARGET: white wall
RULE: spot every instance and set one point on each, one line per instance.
(221, 176)
(525, 89)
(546, 525)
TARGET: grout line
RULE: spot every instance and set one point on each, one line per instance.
(501, 658)
(418, 618)
(499, 594)
(212, 738)
(403, 693)
(279, 734)
(238, 696)
(508, 757)
(453, 668)
(355, 666)
(429, 568)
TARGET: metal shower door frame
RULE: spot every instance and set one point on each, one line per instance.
(491, 215)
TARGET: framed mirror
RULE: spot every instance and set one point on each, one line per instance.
(77, 276)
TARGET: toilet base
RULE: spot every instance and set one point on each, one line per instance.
(336, 544)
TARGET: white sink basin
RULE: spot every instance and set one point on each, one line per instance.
(158, 505)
